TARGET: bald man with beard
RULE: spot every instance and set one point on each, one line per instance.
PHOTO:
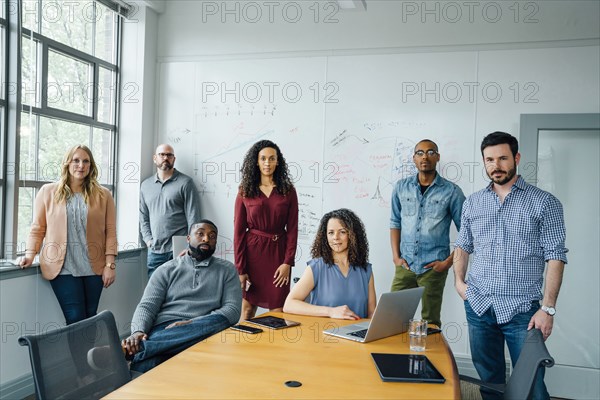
(169, 205)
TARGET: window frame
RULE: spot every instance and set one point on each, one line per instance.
(4, 87)
(52, 112)
(15, 32)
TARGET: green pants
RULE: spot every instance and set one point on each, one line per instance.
(433, 282)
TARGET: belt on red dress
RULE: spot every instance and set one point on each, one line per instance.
(273, 236)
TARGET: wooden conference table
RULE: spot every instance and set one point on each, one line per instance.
(237, 365)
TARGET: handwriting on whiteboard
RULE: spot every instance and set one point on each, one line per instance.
(309, 212)
(238, 110)
(342, 136)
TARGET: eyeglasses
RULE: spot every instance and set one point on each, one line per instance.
(421, 153)
(166, 155)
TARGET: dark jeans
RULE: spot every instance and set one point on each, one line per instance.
(487, 338)
(78, 296)
(155, 260)
(163, 344)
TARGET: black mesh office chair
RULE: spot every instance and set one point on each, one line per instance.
(533, 355)
(83, 360)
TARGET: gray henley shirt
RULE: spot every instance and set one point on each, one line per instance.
(184, 289)
(167, 209)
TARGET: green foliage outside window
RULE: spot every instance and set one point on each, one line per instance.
(72, 101)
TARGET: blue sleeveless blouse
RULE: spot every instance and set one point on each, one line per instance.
(332, 289)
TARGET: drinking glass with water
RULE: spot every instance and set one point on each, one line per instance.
(417, 333)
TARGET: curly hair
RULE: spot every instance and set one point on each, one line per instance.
(358, 246)
(251, 172)
(91, 187)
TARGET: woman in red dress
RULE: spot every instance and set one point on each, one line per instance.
(265, 229)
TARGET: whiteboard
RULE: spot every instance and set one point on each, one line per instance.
(350, 135)
(215, 111)
(347, 125)
(342, 123)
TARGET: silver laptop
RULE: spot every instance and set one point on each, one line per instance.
(179, 243)
(390, 317)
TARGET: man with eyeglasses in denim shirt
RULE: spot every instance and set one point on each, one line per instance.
(423, 206)
(513, 229)
(169, 205)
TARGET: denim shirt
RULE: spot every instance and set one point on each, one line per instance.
(424, 219)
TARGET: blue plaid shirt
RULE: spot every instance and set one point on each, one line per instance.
(510, 242)
(424, 219)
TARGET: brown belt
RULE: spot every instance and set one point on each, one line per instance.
(273, 236)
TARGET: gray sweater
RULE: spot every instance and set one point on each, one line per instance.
(185, 289)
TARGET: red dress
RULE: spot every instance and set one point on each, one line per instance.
(265, 236)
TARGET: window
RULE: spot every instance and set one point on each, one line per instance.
(67, 96)
(3, 91)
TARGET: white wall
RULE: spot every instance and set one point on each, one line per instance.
(545, 62)
(207, 28)
(136, 119)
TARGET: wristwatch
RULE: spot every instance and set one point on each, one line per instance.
(110, 265)
(549, 310)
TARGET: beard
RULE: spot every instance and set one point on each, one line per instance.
(502, 180)
(200, 254)
(165, 166)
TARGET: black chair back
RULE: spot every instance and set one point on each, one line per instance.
(83, 360)
(534, 355)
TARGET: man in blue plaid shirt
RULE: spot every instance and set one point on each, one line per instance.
(512, 229)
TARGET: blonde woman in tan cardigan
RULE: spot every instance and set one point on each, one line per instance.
(75, 220)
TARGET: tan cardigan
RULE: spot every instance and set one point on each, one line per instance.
(50, 227)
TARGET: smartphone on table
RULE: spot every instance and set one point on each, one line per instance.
(248, 329)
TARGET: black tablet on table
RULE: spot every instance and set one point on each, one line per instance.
(272, 322)
(406, 368)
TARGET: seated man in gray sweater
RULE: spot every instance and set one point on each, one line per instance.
(186, 300)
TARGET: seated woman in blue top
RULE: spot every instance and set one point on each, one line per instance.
(338, 279)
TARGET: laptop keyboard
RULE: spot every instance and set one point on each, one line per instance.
(361, 334)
